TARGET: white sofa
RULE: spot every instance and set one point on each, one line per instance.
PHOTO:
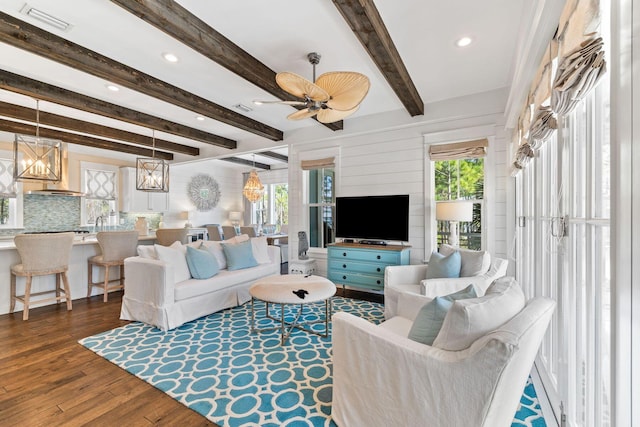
(411, 279)
(152, 296)
(383, 378)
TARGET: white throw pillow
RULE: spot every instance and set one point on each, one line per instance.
(237, 239)
(469, 319)
(215, 248)
(175, 256)
(147, 251)
(474, 263)
(260, 250)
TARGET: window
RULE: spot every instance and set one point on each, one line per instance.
(9, 217)
(564, 253)
(461, 179)
(100, 185)
(273, 208)
(320, 200)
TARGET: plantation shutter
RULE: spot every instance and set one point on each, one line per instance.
(100, 184)
(459, 150)
(7, 183)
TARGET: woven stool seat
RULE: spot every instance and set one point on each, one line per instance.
(115, 247)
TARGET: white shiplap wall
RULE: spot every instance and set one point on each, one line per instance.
(388, 158)
(229, 180)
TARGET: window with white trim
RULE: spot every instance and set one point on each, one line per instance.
(100, 185)
(320, 179)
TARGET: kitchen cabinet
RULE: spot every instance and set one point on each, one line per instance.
(133, 200)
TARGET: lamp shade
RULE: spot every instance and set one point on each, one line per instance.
(454, 210)
(235, 216)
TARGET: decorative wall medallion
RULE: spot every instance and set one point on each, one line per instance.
(203, 192)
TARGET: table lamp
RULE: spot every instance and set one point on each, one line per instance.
(454, 211)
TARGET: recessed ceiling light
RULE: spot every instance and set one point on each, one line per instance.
(200, 118)
(169, 57)
(464, 41)
(112, 87)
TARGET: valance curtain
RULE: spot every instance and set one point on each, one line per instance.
(459, 150)
(8, 187)
(328, 162)
(557, 89)
(100, 184)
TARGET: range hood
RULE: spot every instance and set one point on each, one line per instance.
(60, 188)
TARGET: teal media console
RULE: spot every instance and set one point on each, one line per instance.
(362, 266)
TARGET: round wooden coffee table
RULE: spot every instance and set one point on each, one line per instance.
(292, 289)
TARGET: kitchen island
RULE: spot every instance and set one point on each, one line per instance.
(84, 247)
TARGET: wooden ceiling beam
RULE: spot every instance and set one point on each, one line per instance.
(87, 141)
(57, 95)
(168, 16)
(50, 119)
(251, 163)
(33, 39)
(365, 21)
(276, 156)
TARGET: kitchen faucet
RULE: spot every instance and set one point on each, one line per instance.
(100, 223)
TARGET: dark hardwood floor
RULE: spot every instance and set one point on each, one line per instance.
(48, 379)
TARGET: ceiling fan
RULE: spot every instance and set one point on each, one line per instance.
(332, 97)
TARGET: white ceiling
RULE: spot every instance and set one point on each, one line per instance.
(279, 33)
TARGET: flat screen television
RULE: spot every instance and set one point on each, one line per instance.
(373, 217)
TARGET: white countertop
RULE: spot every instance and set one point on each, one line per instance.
(81, 239)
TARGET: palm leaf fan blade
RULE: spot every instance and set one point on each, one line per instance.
(347, 89)
(300, 87)
(302, 114)
(327, 115)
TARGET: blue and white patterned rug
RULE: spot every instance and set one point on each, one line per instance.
(215, 366)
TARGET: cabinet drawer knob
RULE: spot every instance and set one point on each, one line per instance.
(344, 254)
(378, 282)
(378, 269)
(344, 265)
(344, 277)
(378, 256)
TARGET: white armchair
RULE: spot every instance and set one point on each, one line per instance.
(382, 378)
(411, 279)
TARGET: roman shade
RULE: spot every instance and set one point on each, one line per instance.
(571, 66)
(100, 184)
(459, 150)
(328, 162)
(7, 184)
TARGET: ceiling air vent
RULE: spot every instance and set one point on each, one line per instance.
(45, 18)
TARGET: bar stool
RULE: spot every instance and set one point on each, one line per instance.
(115, 247)
(166, 236)
(41, 255)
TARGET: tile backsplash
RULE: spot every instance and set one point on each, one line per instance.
(51, 213)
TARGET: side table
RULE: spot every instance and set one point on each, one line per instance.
(302, 266)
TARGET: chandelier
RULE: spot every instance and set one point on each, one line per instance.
(253, 189)
(35, 158)
(152, 174)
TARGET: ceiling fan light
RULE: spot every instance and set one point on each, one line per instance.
(300, 87)
(303, 114)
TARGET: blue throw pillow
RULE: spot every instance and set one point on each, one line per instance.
(202, 264)
(428, 322)
(441, 266)
(239, 255)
